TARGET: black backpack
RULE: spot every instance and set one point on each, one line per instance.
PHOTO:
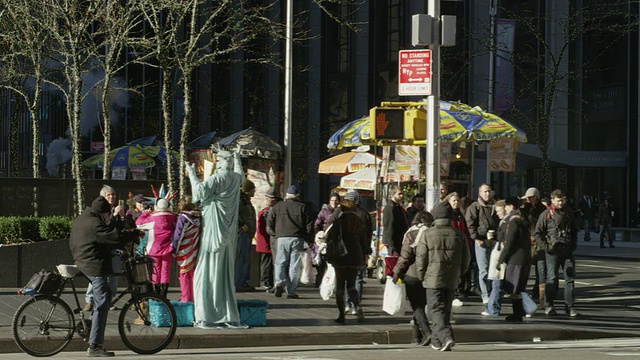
(43, 282)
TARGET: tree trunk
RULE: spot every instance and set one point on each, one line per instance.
(106, 92)
(186, 126)
(167, 117)
(76, 140)
(16, 109)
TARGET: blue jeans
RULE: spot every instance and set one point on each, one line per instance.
(116, 265)
(101, 296)
(493, 306)
(243, 261)
(482, 259)
(288, 263)
(568, 264)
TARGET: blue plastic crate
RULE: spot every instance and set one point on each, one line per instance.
(160, 318)
(253, 312)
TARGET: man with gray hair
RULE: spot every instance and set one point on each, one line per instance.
(116, 220)
(290, 221)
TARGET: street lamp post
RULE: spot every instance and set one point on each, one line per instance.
(432, 171)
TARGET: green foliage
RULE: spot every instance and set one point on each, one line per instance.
(16, 230)
(55, 227)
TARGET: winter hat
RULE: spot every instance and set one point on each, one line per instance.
(101, 205)
(248, 185)
(512, 200)
(531, 192)
(442, 211)
(162, 205)
(353, 195)
(139, 198)
(271, 193)
(293, 190)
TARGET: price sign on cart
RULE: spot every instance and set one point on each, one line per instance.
(414, 72)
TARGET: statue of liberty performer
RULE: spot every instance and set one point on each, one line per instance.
(215, 303)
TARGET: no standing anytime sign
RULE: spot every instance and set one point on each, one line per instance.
(414, 72)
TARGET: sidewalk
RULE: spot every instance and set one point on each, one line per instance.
(310, 320)
(624, 250)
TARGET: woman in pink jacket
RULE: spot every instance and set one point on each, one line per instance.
(160, 223)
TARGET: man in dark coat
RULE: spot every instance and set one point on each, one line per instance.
(556, 234)
(91, 242)
(442, 256)
(291, 222)
(394, 221)
(588, 212)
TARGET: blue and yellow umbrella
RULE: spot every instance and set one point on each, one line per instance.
(458, 123)
(126, 156)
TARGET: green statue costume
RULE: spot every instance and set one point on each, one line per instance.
(214, 290)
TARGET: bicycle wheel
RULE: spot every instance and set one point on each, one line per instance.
(43, 325)
(147, 323)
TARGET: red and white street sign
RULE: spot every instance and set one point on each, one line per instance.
(414, 72)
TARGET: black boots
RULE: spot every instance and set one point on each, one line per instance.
(162, 289)
(518, 311)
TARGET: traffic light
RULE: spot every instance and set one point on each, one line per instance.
(415, 124)
(387, 123)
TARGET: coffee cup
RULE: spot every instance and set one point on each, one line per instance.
(491, 234)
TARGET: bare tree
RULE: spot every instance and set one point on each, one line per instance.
(543, 70)
(69, 24)
(117, 21)
(25, 64)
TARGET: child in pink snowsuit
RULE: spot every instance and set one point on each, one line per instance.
(160, 223)
(185, 244)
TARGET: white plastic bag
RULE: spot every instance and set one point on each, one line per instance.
(308, 275)
(328, 285)
(528, 304)
(494, 273)
(394, 297)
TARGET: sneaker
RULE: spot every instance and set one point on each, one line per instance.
(293, 296)
(347, 309)
(354, 311)
(448, 345)
(485, 301)
(485, 313)
(279, 291)
(436, 347)
(572, 313)
(88, 306)
(550, 311)
(99, 352)
(456, 303)
(528, 315)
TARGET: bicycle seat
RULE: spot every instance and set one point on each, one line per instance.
(68, 271)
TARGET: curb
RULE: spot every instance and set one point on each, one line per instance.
(509, 333)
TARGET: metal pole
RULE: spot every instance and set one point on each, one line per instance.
(492, 41)
(432, 172)
(288, 74)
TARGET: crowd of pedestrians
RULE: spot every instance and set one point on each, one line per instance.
(444, 255)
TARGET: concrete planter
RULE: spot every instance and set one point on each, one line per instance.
(22, 261)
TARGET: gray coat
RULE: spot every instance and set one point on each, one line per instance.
(442, 256)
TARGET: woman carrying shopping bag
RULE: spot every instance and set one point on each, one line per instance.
(347, 245)
(516, 253)
(405, 269)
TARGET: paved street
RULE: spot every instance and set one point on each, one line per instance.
(608, 294)
(552, 350)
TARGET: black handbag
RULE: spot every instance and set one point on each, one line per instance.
(335, 244)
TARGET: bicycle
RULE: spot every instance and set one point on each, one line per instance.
(45, 324)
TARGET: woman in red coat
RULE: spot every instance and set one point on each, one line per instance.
(458, 222)
(264, 245)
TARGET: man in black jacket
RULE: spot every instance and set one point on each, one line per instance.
(394, 221)
(556, 234)
(290, 221)
(91, 242)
